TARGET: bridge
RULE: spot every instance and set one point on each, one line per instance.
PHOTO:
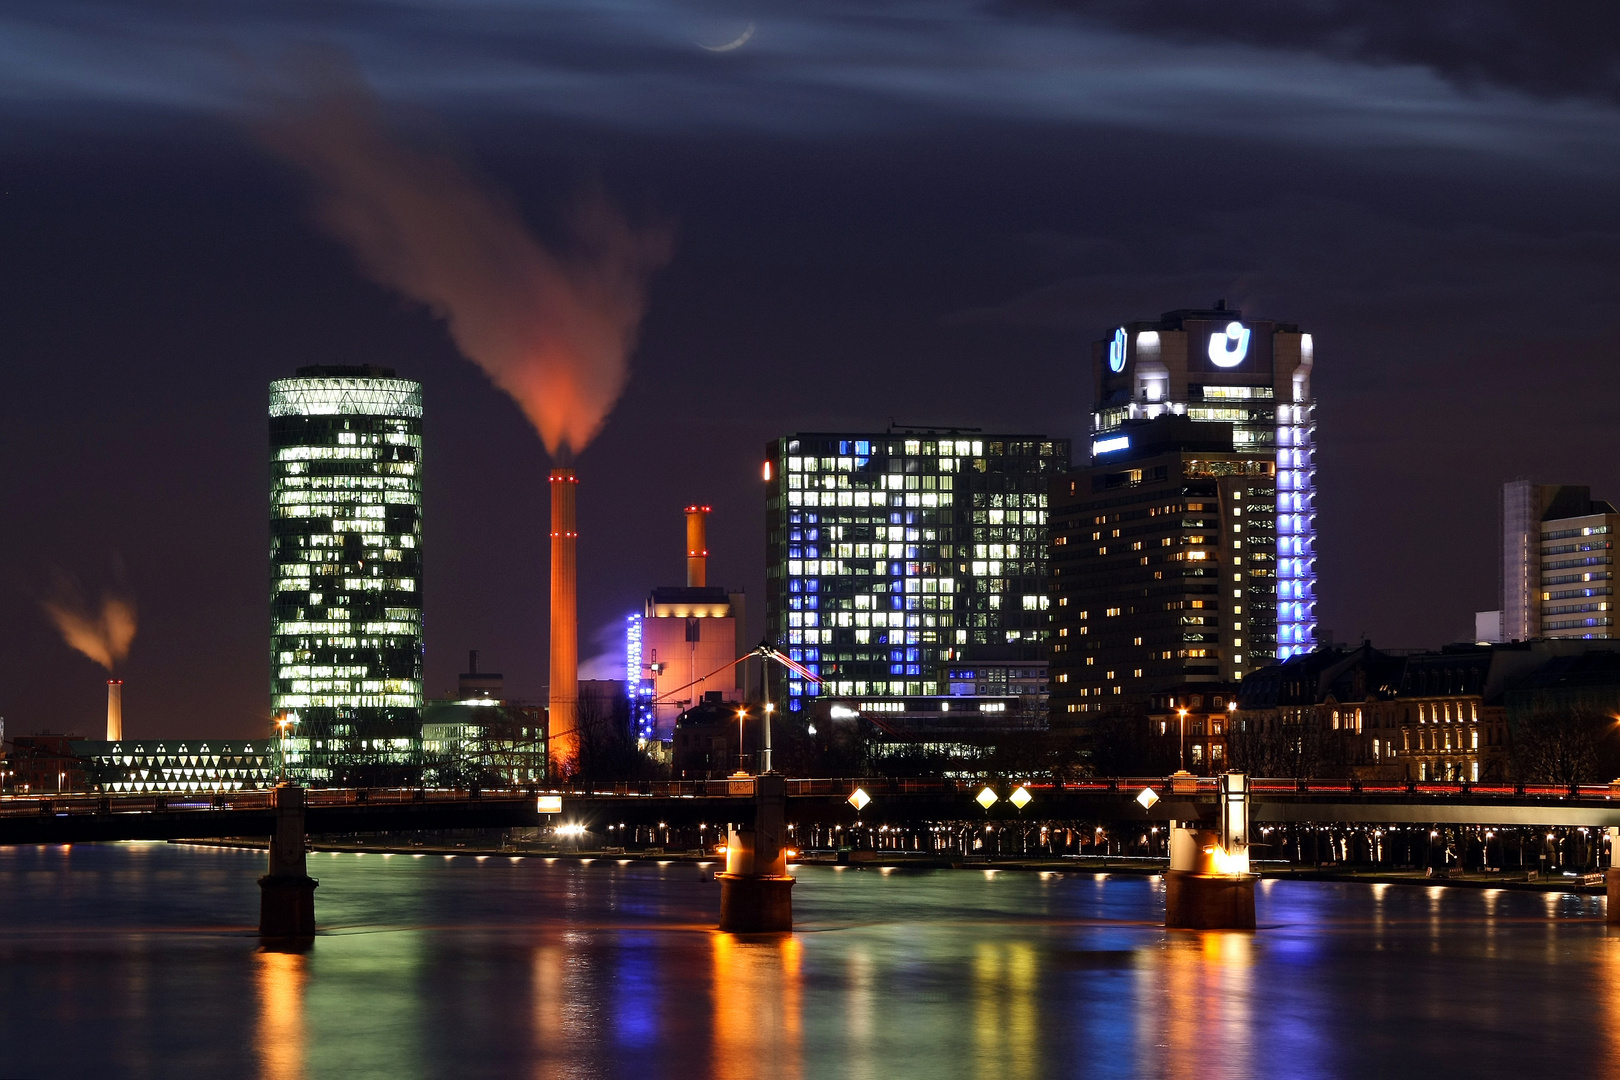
(74, 818)
(1204, 815)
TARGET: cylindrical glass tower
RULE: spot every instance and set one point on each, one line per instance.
(346, 639)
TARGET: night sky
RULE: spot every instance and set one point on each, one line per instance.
(912, 211)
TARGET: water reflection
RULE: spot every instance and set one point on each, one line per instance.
(280, 978)
(758, 1002)
(1006, 1010)
(496, 969)
(565, 1014)
(1197, 989)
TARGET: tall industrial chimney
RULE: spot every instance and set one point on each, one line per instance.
(697, 547)
(115, 710)
(563, 725)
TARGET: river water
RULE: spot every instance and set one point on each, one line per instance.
(139, 960)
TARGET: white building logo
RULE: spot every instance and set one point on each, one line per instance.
(1228, 349)
(1116, 351)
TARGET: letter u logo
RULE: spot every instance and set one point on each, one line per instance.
(1116, 351)
(1228, 349)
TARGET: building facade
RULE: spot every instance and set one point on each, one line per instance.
(1557, 564)
(1184, 552)
(178, 766)
(893, 558)
(346, 642)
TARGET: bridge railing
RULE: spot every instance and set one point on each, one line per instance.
(823, 787)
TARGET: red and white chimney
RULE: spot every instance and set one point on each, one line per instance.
(115, 710)
(562, 729)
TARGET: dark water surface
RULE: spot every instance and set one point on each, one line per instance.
(139, 960)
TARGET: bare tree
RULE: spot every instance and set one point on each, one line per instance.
(1575, 745)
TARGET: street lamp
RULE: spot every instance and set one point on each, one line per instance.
(766, 764)
(742, 714)
(1182, 712)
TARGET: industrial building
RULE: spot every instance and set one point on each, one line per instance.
(680, 649)
(1183, 553)
(896, 557)
(1557, 565)
(346, 643)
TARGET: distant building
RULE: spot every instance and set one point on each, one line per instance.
(707, 740)
(1191, 725)
(346, 640)
(1557, 562)
(43, 762)
(680, 648)
(1448, 715)
(894, 558)
(1488, 627)
(479, 739)
(1184, 551)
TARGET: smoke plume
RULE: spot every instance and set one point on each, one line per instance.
(103, 634)
(554, 330)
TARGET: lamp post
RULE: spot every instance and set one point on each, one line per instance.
(1182, 712)
(769, 709)
(742, 714)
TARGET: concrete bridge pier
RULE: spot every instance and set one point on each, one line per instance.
(756, 892)
(287, 892)
(1208, 885)
(1611, 878)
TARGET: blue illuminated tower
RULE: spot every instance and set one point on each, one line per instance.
(1296, 516)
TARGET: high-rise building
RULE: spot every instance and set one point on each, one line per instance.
(896, 558)
(346, 640)
(1184, 552)
(1557, 562)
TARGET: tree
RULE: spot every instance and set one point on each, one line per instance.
(1121, 744)
(1575, 745)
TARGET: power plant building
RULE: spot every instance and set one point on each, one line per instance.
(1184, 554)
(681, 648)
(902, 563)
(346, 644)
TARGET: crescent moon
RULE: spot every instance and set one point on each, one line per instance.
(733, 45)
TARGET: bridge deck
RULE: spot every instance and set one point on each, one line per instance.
(79, 818)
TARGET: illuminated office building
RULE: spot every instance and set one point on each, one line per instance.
(346, 573)
(894, 558)
(1184, 553)
(1557, 564)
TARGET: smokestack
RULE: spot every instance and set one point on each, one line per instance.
(115, 710)
(563, 726)
(697, 547)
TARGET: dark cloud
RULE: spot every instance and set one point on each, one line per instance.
(1553, 50)
(918, 211)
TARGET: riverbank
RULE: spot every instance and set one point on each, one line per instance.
(891, 861)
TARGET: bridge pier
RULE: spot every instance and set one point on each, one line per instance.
(756, 891)
(1611, 878)
(1208, 885)
(287, 892)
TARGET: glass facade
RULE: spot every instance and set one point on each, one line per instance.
(892, 558)
(346, 641)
